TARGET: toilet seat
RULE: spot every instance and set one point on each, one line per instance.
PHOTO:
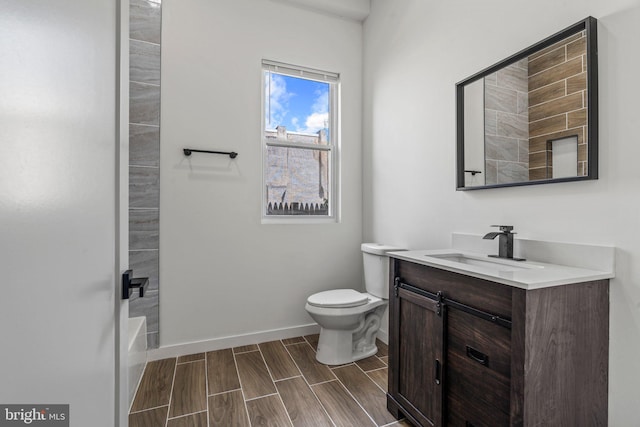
(338, 298)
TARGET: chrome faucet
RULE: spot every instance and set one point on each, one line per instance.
(505, 242)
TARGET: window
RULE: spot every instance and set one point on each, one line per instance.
(299, 135)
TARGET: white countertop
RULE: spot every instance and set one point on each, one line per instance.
(521, 274)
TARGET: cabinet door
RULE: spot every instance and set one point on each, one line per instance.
(478, 371)
(419, 356)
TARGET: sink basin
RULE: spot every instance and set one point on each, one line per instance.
(495, 264)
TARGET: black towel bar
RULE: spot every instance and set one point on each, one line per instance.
(188, 151)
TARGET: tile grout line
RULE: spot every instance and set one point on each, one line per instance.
(365, 372)
(148, 409)
(206, 387)
(356, 400)
(309, 385)
(288, 378)
(274, 385)
(187, 415)
(223, 392)
(260, 397)
(173, 382)
(244, 400)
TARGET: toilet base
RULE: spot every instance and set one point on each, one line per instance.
(337, 347)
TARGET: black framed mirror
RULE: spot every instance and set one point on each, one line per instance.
(533, 117)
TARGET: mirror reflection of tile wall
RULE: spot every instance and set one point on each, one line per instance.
(531, 103)
(557, 102)
(506, 125)
(144, 158)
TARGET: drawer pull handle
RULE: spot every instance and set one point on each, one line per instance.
(478, 356)
(437, 373)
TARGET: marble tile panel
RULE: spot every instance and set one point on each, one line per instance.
(146, 306)
(144, 145)
(144, 229)
(501, 148)
(145, 264)
(523, 150)
(145, 20)
(491, 172)
(153, 340)
(144, 103)
(523, 103)
(512, 125)
(490, 122)
(509, 172)
(490, 79)
(500, 99)
(144, 62)
(513, 77)
(144, 187)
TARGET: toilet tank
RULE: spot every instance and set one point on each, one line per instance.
(376, 268)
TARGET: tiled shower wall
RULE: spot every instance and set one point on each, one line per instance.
(144, 157)
(557, 102)
(506, 125)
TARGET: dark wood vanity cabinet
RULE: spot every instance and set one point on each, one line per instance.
(469, 352)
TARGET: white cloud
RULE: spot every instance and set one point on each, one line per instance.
(276, 99)
(319, 118)
(317, 121)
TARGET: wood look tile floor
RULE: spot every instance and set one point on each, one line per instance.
(277, 383)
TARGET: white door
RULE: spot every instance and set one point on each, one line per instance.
(60, 260)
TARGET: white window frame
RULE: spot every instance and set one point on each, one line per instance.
(333, 146)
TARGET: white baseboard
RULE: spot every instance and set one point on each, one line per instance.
(232, 341)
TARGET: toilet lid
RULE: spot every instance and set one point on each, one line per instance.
(338, 298)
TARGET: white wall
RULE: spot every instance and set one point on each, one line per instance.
(222, 273)
(415, 52)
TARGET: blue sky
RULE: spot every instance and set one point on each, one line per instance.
(299, 104)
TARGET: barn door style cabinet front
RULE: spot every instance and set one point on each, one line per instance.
(469, 352)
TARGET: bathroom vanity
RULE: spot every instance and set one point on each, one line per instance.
(483, 342)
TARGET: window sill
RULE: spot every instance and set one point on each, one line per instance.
(298, 220)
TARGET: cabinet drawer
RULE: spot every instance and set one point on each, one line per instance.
(478, 371)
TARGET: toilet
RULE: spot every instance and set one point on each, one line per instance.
(350, 320)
